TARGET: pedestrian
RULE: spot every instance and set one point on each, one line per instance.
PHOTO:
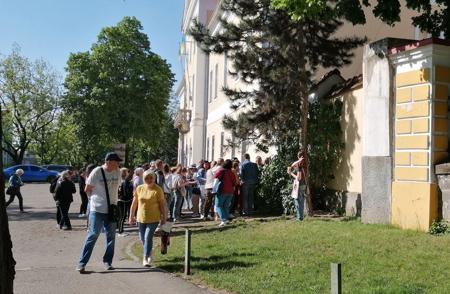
(195, 192)
(88, 171)
(125, 198)
(200, 177)
(137, 178)
(225, 193)
(249, 180)
(64, 197)
(14, 184)
(102, 187)
(189, 175)
(168, 189)
(159, 164)
(179, 185)
(209, 201)
(83, 195)
(298, 171)
(236, 204)
(151, 212)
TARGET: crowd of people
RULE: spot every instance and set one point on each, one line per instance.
(155, 193)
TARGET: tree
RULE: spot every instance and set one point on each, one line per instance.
(29, 92)
(278, 56)
(57, 143)
(118, 91)
(7, 262)
(432, 18)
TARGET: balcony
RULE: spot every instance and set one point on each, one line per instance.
(183, 120)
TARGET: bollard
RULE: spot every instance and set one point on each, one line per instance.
(187, 253)
(336, 283)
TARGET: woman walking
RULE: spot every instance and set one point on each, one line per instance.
(15, 182)
(151, 211)
(64, 197)
(167, 187)
(236, 204)
(298, 172)
(83, 195)
(179, 184)
(137, 178)
(125, 198)
(225, 194)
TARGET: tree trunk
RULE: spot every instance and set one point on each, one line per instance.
(7, 262)
(304, 110)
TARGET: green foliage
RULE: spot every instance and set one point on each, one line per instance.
(325, 149)
(431, 18)
(119, 91)
(274, 190)
(29, 94)
(268, 48)
(326, 143)
(438, 228)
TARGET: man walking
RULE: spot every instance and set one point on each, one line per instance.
(249, 178)
(99, 210)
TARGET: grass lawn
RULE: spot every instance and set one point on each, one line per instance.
(287, 257)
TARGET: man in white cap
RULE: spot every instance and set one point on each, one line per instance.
(99, 210)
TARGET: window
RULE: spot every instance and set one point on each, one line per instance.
(207, 149)
(193, 90)
(212, 147)
(216, 80)
(233, 149)
(225, 69)
(210, 86)
(222, 139)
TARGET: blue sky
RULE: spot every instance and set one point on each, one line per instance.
(51, 29)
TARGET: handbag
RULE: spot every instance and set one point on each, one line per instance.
(11, 190)
(113, 209)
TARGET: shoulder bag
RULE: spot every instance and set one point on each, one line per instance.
(113, 210)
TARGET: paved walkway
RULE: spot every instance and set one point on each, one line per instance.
(46, 257)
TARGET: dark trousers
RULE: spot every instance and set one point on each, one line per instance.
(209, 203)
(58, 214)
(11, 199)
(236, 203)
(84, 203)
(248, 197)
(65, 220)
(124, 208)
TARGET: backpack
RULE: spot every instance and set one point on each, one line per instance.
(53, 185)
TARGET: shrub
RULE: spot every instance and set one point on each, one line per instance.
(438, 227)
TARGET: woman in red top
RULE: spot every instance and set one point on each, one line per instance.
(224, 196)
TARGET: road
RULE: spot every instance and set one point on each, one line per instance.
(46, 256)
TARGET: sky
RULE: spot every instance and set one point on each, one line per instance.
(52, 29)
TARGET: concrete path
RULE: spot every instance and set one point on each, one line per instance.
(46, 257)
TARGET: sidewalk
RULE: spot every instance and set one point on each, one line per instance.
(46, 257)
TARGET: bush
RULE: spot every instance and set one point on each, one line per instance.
(438, 228)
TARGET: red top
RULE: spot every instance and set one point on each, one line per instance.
(228, 180)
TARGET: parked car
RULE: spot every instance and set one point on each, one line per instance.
(32, 173)
(60, 168)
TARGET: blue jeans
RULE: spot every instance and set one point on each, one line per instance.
(97, 221)
(299, 203)
(146, 232)
(223, 202)
(248, 197)
(176, 211)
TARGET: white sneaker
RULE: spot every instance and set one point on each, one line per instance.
(123, 234)
(232, 215)
(145, 262)
(222, 224)
(81, 215)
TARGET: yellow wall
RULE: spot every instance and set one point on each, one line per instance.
(421, 140)
(348, 173)
(414, 205)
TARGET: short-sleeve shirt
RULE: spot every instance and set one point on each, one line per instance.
(98, 201)
(148, 203)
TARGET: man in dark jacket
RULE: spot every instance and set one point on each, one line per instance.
(249, 178)
(64, 197)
